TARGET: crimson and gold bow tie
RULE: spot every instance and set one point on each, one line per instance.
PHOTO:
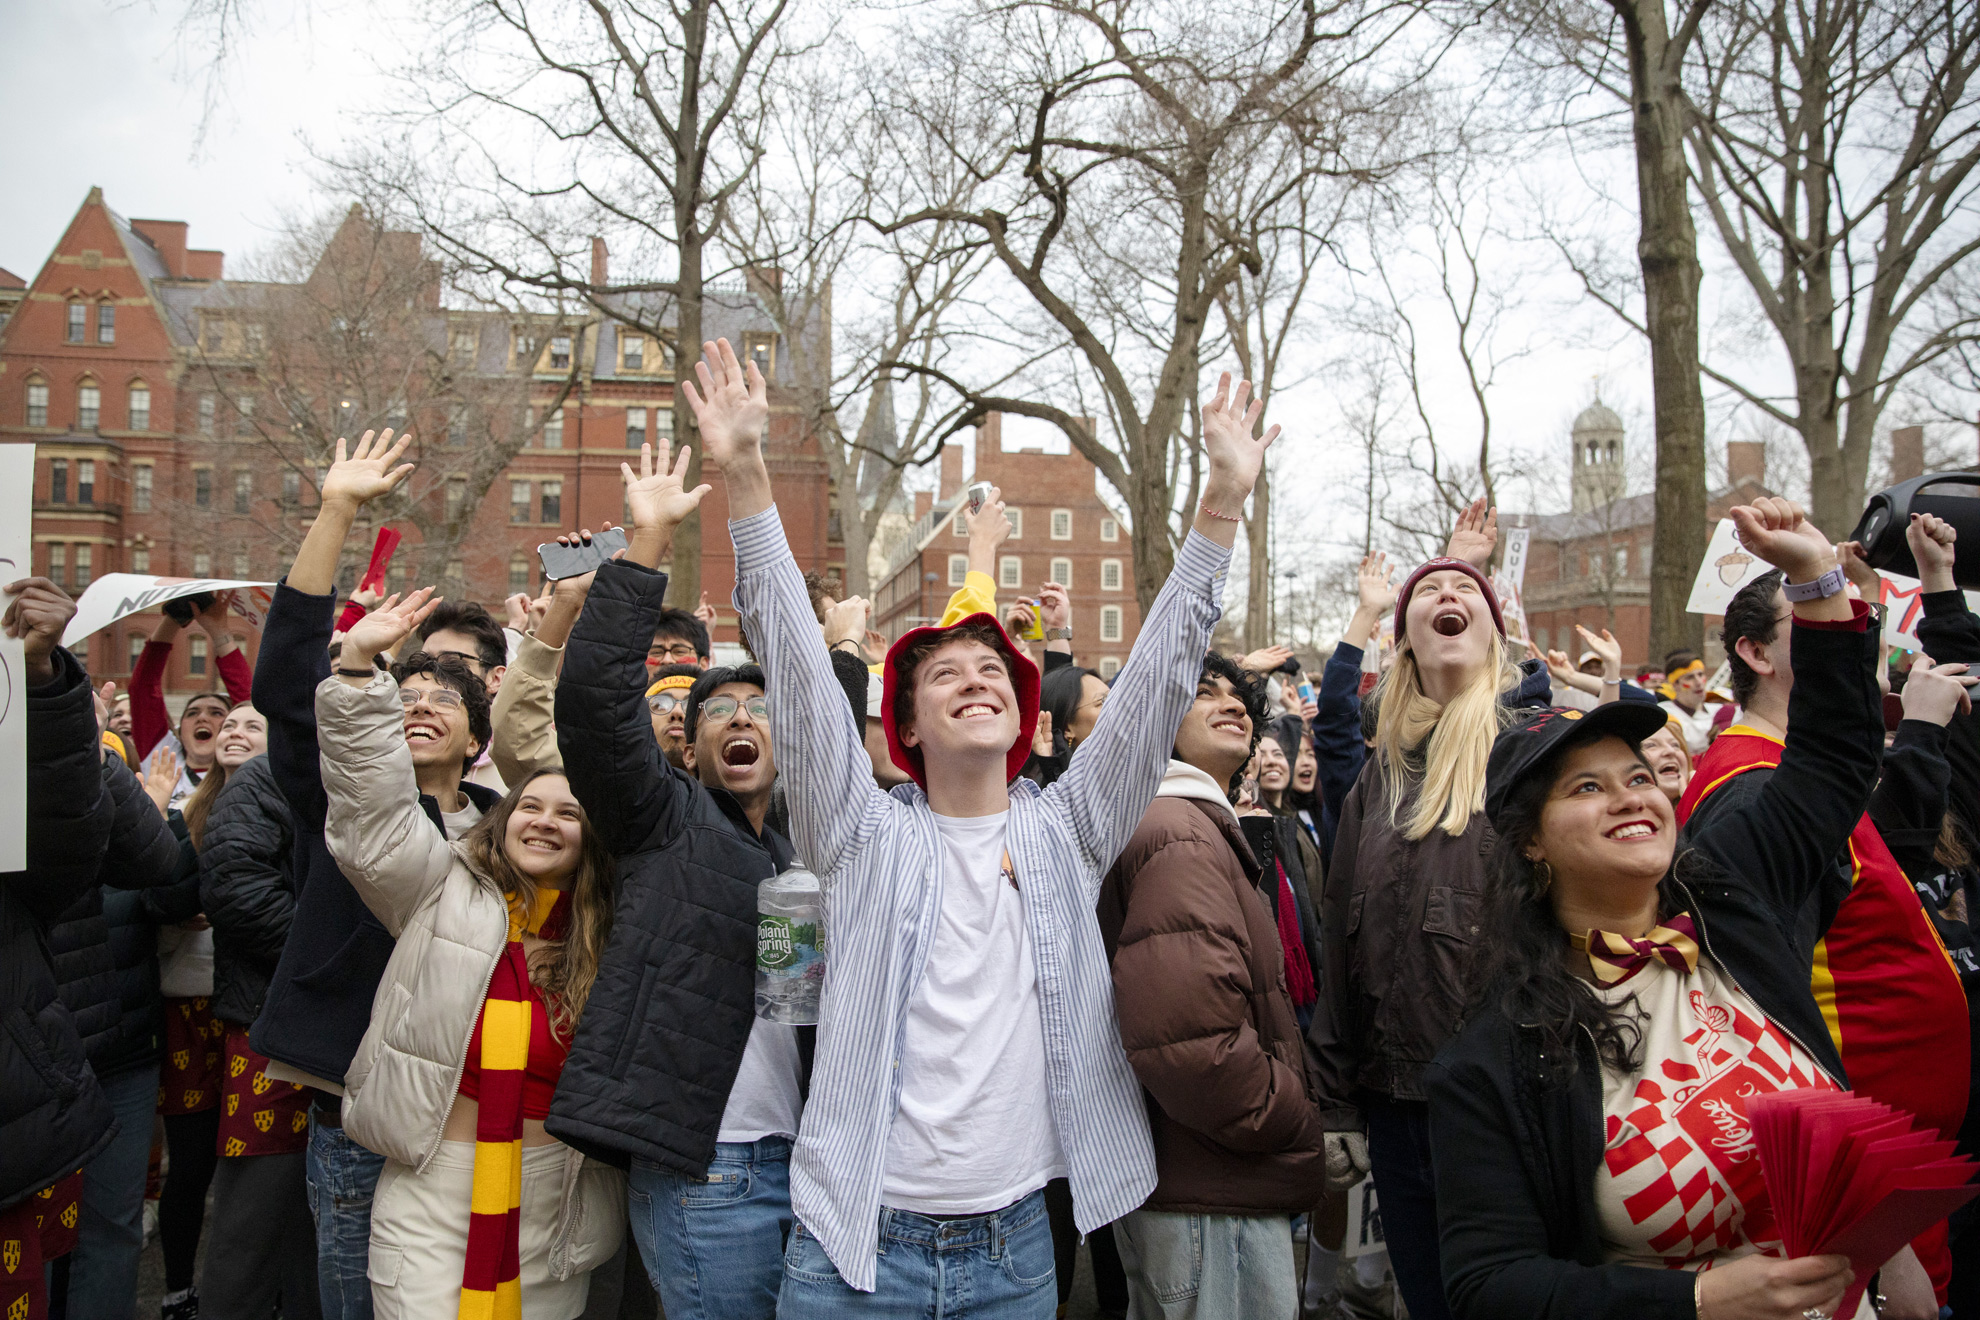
(1616, 958)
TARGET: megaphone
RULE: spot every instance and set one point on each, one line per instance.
(1948, 495)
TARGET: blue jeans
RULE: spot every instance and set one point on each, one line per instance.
(1399, 1150)
(340, 1178)
(714, 1246)
(103, 1271)
(985, 1267)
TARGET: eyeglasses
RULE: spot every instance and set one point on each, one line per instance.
(665, 703)
(722, 708)
(438, 698)
(677, 652)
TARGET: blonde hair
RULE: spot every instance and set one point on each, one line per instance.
(1442, 746)
(564, 970)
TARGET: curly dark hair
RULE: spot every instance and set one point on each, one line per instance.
(1751, 614)
(1249, 690)
(452, 671)
(1519, 959)
(491, 645)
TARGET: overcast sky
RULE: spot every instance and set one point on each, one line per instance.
(110, 94)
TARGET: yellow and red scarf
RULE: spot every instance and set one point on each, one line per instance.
(491, 1282)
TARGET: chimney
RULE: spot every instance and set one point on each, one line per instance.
(169, 237)
(766, 282)
(951, 470)
(924, 501)
(1907, 453)
(1746, 461)
(204, 264)
(599, 266)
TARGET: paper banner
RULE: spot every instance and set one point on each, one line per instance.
(1509, 583)
(117, 595)
(16, 561)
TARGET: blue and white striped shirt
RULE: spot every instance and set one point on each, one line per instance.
(878, 858)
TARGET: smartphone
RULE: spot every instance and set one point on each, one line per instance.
(180, 609)
(563, 561)
(979, 493)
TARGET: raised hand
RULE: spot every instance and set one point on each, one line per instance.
(988, 528)
(368, 471)
(516, 607)
(1054, 606)
(846, 620)
(1935, 692)
(1266, 659)
(1777, 531)
(161, 779)
(730, 407)
(1235, 456)
(1017, 620)
(1868, 583)
(38, 614)
(572, 590)
(658, 496)
(1931, 540)
(1607, 649)
(1475, 536)
(705, 612)
(1041, 736)
(385, 627)
(1374, 585)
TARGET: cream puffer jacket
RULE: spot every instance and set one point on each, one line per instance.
(451, 926)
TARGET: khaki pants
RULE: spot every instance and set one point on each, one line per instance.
(419, 1227)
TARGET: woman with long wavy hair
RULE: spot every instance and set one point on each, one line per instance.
(1400, 904)
(1588, 1126)
(479, 1210)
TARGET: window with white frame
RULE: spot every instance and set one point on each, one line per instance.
(635, 427)
(141, 488)
(206, 411)
(37, 403)
(86, 481)
(89, 406)
(84, 553)
(1062, 572)
(134, 638)
(78, 321)
(518, 572)
(106, 323)
(456, 497)
(553, 430)
(1010, 571)
(1110, 665)
(1110, 575)
(243, 490)
(1110, 623)
(663, 425)
(958, 570)
(1109, 530)
(141, 559)
(196, 653)
(58, 564)
(1017, 523)
(202, 564)
(1622, 561)
(291, 486)
(632, 352)
(553, 501)
(1062, 524)
(241, 564)
(140, 407)
(560, 352)
(519, 501)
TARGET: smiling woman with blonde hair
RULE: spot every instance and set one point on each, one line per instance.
(498, 939)
(1402, 898)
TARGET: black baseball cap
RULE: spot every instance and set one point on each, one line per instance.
(1529, 748)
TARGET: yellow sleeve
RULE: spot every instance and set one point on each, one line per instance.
(977, 595)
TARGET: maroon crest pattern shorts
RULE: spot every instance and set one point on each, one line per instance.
(259, 1115)
(195, 1060)
(38, 1230)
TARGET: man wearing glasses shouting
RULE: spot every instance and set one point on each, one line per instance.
(670, 1071)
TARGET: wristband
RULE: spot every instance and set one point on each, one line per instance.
(356, 673)
(843, 641)
(1058, 634)
(1219, 514)
(1821, 588)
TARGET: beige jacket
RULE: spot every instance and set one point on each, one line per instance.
(524, 715)
(451, 926)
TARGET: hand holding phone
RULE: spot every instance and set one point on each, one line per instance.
(562, 561)
(979, 491)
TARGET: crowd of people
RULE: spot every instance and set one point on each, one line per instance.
(431, 945)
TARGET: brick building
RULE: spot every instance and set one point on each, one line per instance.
(182, 419)
(1591, 565)
(1061, 532)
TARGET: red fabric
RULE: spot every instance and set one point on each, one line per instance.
(1438, 565)
(37, 1230)
(374, 575)
(259, 1115)
(236, 676)
(149, 721)
(1885, 985)
(540, 1074)
(1024, 681)
(192, 1075)
(1299, 971)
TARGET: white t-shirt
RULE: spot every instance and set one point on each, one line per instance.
(764, 1101)
(460, 822)
(974, 1129)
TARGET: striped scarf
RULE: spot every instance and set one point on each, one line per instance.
(491, 1282)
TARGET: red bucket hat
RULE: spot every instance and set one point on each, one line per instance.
(1024, 681)
(1440, 564)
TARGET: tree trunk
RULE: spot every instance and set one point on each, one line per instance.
(1258, 560)
(1667, 249)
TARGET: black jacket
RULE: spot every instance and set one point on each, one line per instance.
(105, 947)
(53, 1117)
(318, 1002)
(1516, 1156)
(245, 888)
(662, 1035)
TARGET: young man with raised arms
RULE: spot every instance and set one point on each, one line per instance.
(967, 1046)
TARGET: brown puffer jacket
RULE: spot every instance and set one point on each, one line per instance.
(1397, 920)
(1200, 987)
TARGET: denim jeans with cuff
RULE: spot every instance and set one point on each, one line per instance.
(340, 1179)
(714, 1246)
(985, 1267)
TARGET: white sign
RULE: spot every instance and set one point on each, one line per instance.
(16, 562)
(117, 595)
(1364, 1226)
(1728, 566)
(1904, 606)
(1509, 581)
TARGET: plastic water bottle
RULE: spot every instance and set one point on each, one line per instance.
(790, 947)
